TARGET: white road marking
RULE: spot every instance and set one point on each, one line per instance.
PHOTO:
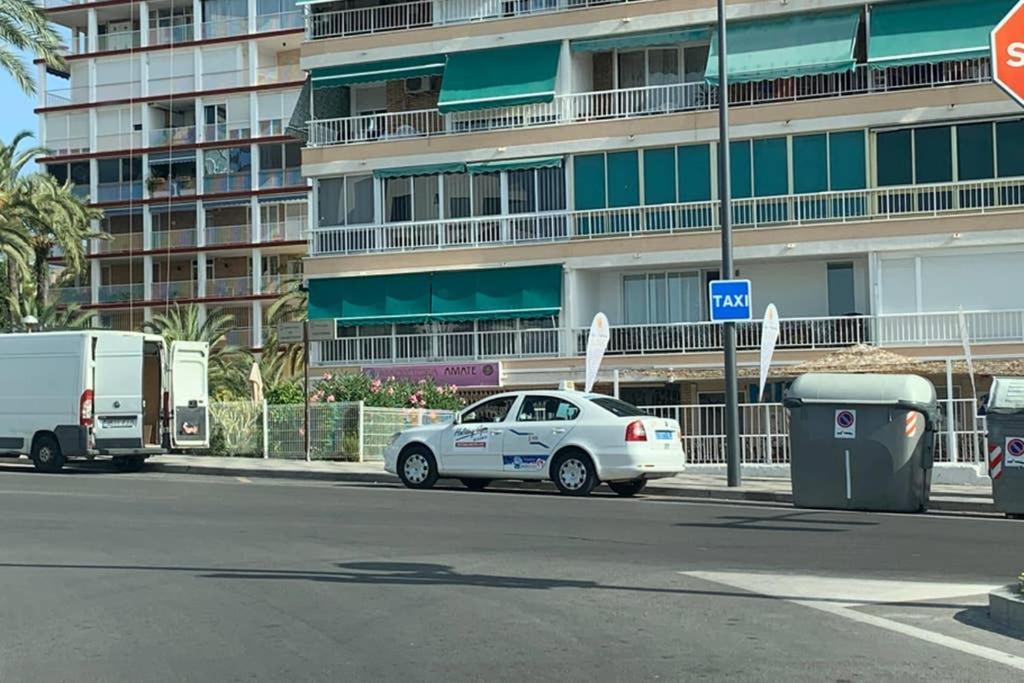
(244, 480)
(837, 596)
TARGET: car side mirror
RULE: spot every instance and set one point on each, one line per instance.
(458, 418)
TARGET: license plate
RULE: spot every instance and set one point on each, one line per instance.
(664, 434)
(118, 423)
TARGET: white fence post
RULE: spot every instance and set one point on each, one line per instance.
(362, 430)
(266, 430)
(951, 444)
(768, 434)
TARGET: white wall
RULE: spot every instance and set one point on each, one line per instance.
(800, 288)
(968, 278)
(582, 72)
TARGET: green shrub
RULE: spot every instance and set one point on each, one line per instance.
(388, 393)
(284, 393)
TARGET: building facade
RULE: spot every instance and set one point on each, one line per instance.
(487, 176)
(172, 117)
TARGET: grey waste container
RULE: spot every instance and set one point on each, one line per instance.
(862, 442)
(1005, 416)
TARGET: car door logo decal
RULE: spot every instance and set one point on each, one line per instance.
(523, 463)
(531, 438)
(471, 437)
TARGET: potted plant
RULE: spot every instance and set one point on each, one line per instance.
(155, 183)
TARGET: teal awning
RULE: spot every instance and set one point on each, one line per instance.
(929, 31)
(371, 300)
(790, 46)
(514, 164)
(637, 40)
(372, 72)
(499, 293)
(499, 77)
(426, 169)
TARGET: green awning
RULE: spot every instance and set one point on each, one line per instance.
(790, 46)
(637, 40)
(371, 300)
(426, 169)
(498, 293)
(929, 31)
(514, 165)
(372, 72)
(499, 77)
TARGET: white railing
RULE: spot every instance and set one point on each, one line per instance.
(229, 287)
(239, 336)
(118, 293)
(228, 234)
(174, 290)
(168, 35)
(764, 432)
(179, 135)
(60, 97)
(850, 206)
(118, 192)
(174, 239)
(283, 231)
(71, 295)
(893, 330)
(120, 242)
(225, 27)
(232, 130)
(281, 177)
(283, 73)
(122, 40)
(60, 146)
(227, 182)
(121, 140)
(406, 15)
(272, 284)
(630, 103)
(279, 21)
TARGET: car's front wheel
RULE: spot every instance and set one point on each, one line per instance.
(574, 473)
(417, 468)
(628, 488)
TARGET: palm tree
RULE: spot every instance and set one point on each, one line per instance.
(56, 218)
(291, 305)
(14, 205)
(24, 27)
(52, 317)
(228, 369)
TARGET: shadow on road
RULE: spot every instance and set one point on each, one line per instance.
(790, 521)
(977, 617)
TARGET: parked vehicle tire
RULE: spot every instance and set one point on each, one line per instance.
(417, 468)
(46, 454)
(628, 489)
(128, 463)
(476, 484)
(574, 474)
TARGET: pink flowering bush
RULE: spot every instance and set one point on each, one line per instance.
(385, 393)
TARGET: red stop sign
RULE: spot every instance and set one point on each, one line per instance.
(1008, 53)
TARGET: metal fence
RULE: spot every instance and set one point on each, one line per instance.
(337, 431)
(764, 432)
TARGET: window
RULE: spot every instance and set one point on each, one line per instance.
(457, 195)
(658, 298)
(345, 201)
(410, 199)
(841, 299)
(618, 408)
(486, 194)
(495, 410)
(547, 409)
(662, 66)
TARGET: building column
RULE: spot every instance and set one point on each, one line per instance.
(252, 16)
(41, 85)
(92, 38)
(147, 278)
(143, 24)
(254, 166)
(197, 20)
(256, 221)
(200, 275)
(256, 316)
(147, 229)
(200, 223)
(256, 257)
(95, 279)
(568, 315)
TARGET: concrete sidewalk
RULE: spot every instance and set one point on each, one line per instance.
(944, 497)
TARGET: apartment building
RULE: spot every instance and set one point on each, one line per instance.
(489, 174)
(172, 118)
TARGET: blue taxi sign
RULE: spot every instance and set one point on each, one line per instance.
(729, 300)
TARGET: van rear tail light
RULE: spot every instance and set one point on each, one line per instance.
(85, 408)
(636, 431)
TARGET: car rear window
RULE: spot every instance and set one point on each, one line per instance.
(618, 408)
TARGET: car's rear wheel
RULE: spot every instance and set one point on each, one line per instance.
(476, 484)
(417, 468)
(628, 488)
(574, 473)
(46, 454)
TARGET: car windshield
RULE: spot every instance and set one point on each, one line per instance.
(616, 407)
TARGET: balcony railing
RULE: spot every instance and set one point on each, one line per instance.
(120, 242)
(181, 186)
(117, 293)
(282, 73)
(178, 135)
(279, 21)
(281, 177)
(229, 286)
(284, 231)
(118, 192)
(231, 182)
(63, 145)
(122, 40)
(406, 15)
(174, 290)
(228, 234)
(174, 239)
(237, 130)
(902, 330)
(111, 141)
(169, 35)
(71, 295)
(852, 206)
(239, 336)
(225, 27)
(632, 103)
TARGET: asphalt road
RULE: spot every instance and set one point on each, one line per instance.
(108, 577)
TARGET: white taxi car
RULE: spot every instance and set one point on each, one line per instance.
(577, 440)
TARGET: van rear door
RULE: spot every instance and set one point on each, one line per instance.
(117, 391)
(189, 408)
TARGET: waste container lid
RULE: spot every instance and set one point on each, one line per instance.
(902, 390)
(1006, 397)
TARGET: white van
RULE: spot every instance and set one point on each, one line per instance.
(91, 393)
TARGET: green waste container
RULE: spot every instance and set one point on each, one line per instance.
(1005, 417)
(862, 442)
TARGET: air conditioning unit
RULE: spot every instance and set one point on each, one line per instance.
(418, 85)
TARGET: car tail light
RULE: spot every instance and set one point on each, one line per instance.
(636, 431)
(85, 408)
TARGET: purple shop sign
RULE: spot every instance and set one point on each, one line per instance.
(443, 374)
